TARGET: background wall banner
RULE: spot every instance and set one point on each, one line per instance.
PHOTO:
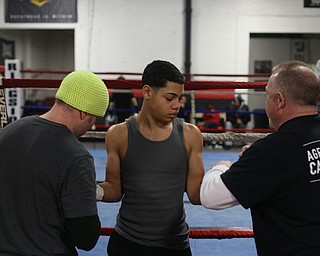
(44, 11)
(312, 3)
(3, 108)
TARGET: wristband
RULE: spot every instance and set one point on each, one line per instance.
(99, 192)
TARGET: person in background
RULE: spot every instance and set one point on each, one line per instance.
(47, 177)
(238, 113)
(184, 111)
(152, 159)
(278, 177)
(317, 68)
(111, 117)
(125, 104)
(212, 118)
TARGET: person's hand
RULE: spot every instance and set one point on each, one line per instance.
(243, 149)
(224, 162)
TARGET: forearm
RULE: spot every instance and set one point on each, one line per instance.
(194, 196)
(213, 192)
(106, 192)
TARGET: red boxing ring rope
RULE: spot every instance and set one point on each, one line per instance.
(132, 84)
(206, 232)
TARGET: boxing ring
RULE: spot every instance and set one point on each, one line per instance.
(243, 135)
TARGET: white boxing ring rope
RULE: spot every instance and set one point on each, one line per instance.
(224, 136)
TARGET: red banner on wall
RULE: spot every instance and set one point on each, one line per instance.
(44, 11)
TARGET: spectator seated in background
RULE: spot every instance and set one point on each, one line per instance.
(184, 111)
(237, 113)
(111, 117)
(212, 119)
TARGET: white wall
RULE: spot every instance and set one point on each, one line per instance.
(125, 35)
(221, 32)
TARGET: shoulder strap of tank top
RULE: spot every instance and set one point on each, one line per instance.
(130, 121)
(178, 126)
(131, 126)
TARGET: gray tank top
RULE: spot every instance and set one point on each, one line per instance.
(153, 182)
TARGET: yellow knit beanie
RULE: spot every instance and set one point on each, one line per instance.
(85, 91)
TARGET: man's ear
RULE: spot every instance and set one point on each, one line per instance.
(281, 100)
(83, 115)
(146, 91)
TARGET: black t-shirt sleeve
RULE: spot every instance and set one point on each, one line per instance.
(79, 190)
(256, 176)
(83, 232)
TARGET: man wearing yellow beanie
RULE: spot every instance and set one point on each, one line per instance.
(47, 177)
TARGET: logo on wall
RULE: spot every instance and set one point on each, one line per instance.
(312, 3)
(44, 11)
(39, 3)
